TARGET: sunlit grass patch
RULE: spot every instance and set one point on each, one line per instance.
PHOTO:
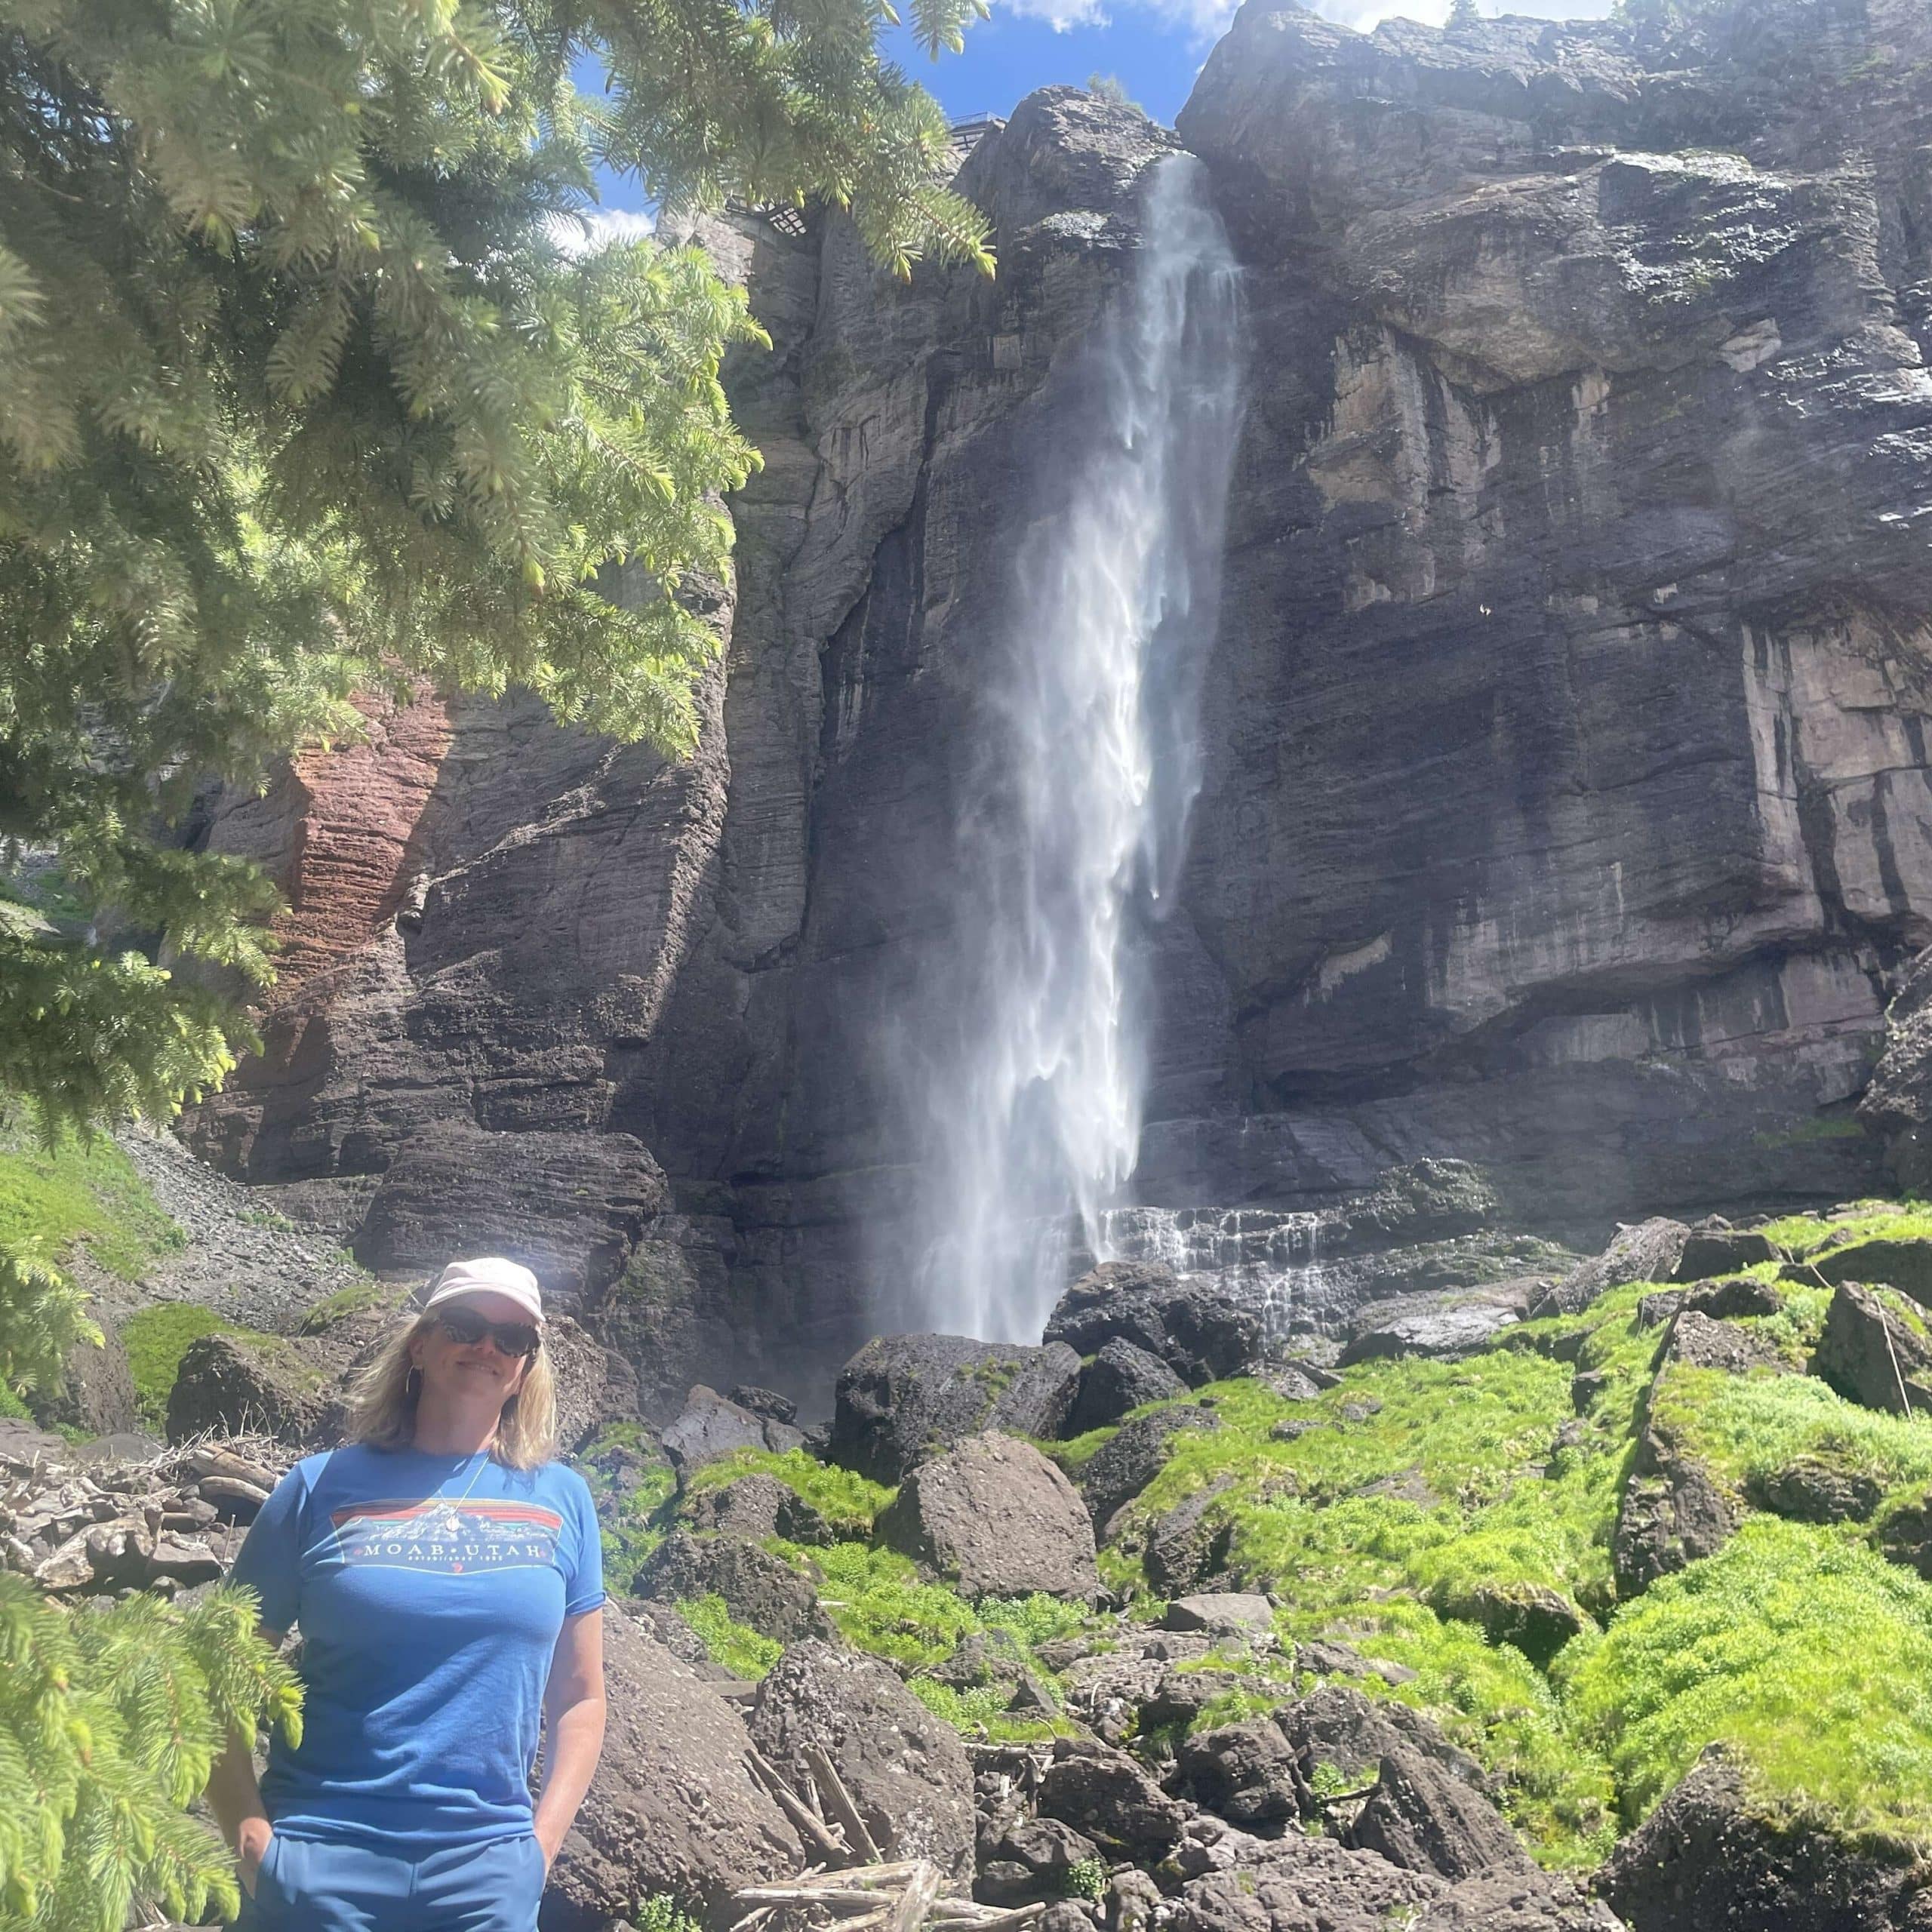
(735, 1647)
(84, 1192)
(847, 1501)
(1795, 1643)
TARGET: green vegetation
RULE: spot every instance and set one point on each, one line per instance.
(848, 1502)
(661, 1912)
(1808, 1651)
(110, 1717)
(80, 1190)
(156, 1338)
(1087, 1878)
(634, 1489)
(318, 378)
(363, 1297)
(740, 1649)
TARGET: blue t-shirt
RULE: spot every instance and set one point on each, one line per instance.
(429, 1591)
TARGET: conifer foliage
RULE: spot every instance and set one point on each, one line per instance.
(309, 383)
(110, 1718)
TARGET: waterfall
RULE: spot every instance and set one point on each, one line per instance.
(1076, 824)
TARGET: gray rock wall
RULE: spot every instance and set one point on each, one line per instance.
(1566, 806)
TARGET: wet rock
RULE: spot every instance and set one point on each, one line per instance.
(1201, 1334)
(904, 1398)
(1120, 1378)
(236, 1385)
(708, 1428)
(1649, 1251)
(994, 1517)
(673, 1807)
(1102, 1793)
(759, 1589)
(1710, 1251)
(1424, 1819)
(1703, 1858)
(906, 1769)
(1125, 1465)
(1876, 1340)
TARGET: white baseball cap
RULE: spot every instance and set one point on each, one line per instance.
(490, 1275)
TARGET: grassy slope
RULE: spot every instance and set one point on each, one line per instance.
(80, 1192)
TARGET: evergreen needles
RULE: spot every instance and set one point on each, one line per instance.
(110, 1718)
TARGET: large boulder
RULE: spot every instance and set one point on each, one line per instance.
(709, 1427)
(233, 1384)
(906, 1770)
(1437, 1324)
(903, 1398)
(1134, 1455)
(1705, 1858)
(1121, 1377)
(673, 1808)
(1102, 1793)
(758, 1589)
(1875, 1350)
(1189, 1544)
(1649, 1251)
(1200, 1332)
(1334, 1724)
(996, 1518)
(1904, 1265)
(1713, 1249)
(757, 1506)
(1295, 1884)
(1424, 1819)
(1247, 1773)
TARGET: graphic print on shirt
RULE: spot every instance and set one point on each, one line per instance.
(436, 1536)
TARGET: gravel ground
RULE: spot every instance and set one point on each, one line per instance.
(241, 1259)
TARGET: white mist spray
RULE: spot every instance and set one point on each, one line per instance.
(1074, 840)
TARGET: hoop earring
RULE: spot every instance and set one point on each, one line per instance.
(412, 1385)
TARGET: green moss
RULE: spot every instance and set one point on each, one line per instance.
(981, 1712)
(1808, 1652)
(84, 1192)
(879, 1604)
(848, 1502)
(1033, 1619)
(633, 1503)
(1744, 1428)
(362, 1297)
(736, 1647)
(1810, 1237)
(156, 1338)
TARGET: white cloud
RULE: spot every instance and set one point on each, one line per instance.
(592, 229)
(1207, 19)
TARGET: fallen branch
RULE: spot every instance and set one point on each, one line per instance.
(839, 1803)
(823, 1836)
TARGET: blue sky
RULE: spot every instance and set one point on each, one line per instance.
(1153, 47)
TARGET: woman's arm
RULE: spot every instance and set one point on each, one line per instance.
(235, 1798)
(574, 1719)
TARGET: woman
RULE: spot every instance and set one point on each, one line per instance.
(447, 1578)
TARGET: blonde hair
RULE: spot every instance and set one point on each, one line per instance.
(382, 1405)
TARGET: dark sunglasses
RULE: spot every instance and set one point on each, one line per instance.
(466, 1326)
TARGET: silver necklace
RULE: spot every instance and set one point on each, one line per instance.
(451, 1524)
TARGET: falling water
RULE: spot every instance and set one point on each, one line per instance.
(1074, 837)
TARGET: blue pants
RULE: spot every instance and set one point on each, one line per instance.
(314, 1885)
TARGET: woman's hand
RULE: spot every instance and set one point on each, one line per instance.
(252, 1846)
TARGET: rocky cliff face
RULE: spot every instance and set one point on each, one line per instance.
(1566, 805)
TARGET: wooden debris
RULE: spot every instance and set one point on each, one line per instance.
(837, 1802)
(823, 1837)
